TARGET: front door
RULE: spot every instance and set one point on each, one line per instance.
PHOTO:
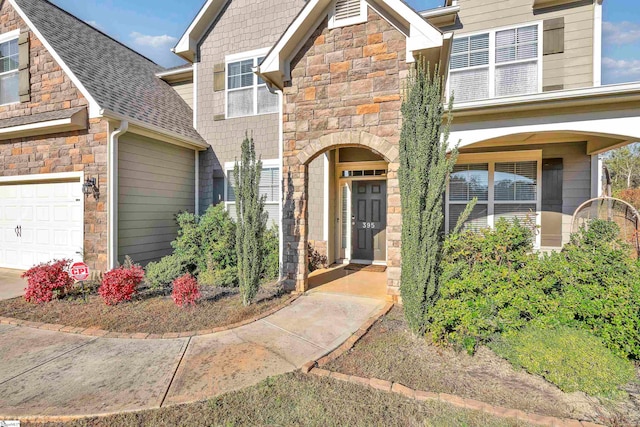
(369, 221)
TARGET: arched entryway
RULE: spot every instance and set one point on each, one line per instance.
(369, 234)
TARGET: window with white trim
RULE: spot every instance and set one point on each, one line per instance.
(504, 189)
(247, 94)
(9, 72)
(269, 187)
(497, 63)
(348, 12)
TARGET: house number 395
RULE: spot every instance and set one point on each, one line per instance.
(368, 225)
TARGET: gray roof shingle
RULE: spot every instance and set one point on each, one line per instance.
(118, 78)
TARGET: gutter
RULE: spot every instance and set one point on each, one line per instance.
(441, 11)
(113, 193)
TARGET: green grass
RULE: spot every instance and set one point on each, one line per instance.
(303, 400)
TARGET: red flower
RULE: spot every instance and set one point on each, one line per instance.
(185, 290)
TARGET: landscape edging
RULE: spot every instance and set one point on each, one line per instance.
(95, 332)
(314, 367)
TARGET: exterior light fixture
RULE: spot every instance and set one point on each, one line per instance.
(89, 187)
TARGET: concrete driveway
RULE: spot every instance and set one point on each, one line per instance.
(11, 285)
(45, 373)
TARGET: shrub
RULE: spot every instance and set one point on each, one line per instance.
(271, 269)
(46, 280)
(162, 273)
(572, 359)
(226, 278)
(205, 241)
(631, 195)
(121, 283)
(316, 259)
(185, 290)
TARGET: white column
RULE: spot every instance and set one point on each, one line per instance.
(596, 176)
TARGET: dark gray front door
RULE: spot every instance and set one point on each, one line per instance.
(369, 221)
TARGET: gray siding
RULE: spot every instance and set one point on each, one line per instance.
(185, 90)
(244, 26)
(156, 180)
(574, 67)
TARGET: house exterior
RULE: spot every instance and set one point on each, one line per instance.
(77, 105)
(319, 88)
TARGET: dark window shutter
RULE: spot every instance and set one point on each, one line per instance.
(553, 36)
(24, 84)
(219, 77)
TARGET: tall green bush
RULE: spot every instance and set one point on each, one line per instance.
(252, 221)
(424, 169)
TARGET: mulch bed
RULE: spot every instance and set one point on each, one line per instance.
(390, 352)
(148, 312)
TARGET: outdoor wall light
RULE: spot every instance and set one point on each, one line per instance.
(89, 187)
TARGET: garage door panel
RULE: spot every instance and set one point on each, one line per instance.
(51, 219)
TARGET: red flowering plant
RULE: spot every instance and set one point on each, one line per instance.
(46, 280)
(185, 290)
(121, 283)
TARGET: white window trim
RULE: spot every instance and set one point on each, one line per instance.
(4, 38)
(499, 157)
(492, 59)
(266, 164)
(243, 56)
(335, 23)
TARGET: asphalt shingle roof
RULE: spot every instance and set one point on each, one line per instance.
(118, 78)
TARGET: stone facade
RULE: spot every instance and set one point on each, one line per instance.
(86, 150)
(344, 91)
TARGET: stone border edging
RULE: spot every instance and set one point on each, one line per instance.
(95, 332)
(314, 367)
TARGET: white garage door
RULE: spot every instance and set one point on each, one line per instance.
(40, 222)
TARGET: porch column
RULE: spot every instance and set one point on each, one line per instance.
(294, 224)
(596, 176)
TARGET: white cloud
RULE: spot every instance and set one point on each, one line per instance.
(619, 33)
(621, 70)
(156, 42)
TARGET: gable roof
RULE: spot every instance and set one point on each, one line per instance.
(115, 79)
(187, 45)
(420, 35)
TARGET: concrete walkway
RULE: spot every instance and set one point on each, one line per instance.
(11, 284)
(44, 373)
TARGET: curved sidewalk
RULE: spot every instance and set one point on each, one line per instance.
(45, 373)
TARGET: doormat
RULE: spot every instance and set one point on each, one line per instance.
(367, 267)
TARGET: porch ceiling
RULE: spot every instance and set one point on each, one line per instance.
(596, 144)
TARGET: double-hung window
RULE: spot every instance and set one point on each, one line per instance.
(506, 185)
(497, 63)
(247, 94)
(269, 188)
(9, 73)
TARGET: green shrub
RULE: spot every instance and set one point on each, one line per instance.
(271, 266)
(227, 277)
(162, 273)
(206, 241)
(572, 359)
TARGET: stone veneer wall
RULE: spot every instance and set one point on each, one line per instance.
(345, 91)
(86, 150)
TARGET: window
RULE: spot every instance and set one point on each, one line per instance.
(348, 12)
(498, 63)
(269, 187)
(9, 74)
(247, 94)
(504, 189)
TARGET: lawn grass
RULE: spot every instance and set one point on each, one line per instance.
(148, 312)
(390, 352)
(302, 400)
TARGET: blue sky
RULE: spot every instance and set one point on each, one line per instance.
(152, 27)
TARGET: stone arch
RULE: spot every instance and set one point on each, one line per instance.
(328, 142)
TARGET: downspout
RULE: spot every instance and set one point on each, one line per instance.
(113, 192)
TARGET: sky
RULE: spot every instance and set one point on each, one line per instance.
(153, 27)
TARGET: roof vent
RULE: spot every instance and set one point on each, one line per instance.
(348, 12)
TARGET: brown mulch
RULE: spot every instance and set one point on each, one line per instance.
(389, 351)
(148, 312)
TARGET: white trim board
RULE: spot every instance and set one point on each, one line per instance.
(62, 176)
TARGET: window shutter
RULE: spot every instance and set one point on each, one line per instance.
(346, 9)
(24, 85)
(219, 77)
(553, 36)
